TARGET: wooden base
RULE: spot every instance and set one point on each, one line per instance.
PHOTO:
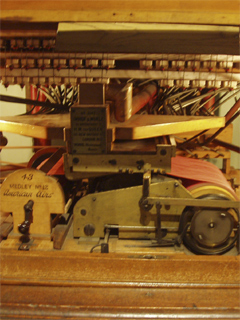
(71, 285)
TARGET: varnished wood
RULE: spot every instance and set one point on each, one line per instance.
(148, 126)
(36, 126)
(29, 184)
(146, 38)
(6, 225)
(175, 11)
(103, 285)
(138, 127)
(59, 234)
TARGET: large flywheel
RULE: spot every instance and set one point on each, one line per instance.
(210, 231)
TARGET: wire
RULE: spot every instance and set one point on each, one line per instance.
(29, 101)
(97, 245)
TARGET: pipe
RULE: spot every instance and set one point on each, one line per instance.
(126, 105)
(122, 95)
(143, 97)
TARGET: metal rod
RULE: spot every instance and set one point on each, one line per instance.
(195, 202)
(137, 228)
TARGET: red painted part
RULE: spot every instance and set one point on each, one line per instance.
(41, 97)
(210, 102)
(193, 171)
(34, 90)
(45, 152)
(57, 169)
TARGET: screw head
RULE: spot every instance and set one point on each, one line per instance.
(211, 225)
(75, 160)
(83, 212)
(89, 229)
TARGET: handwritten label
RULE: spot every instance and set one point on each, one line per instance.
(89, 130)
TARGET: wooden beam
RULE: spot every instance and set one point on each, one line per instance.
(149, 126)
(138, 127)
(213, 12)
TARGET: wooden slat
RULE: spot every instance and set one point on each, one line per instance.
(59, 234)
(36, 126)
(148, 126)
(213, 12)
(138, 127)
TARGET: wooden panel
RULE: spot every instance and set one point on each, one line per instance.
(148, 126)
(222, 12)
(150, 38)
(74, 285)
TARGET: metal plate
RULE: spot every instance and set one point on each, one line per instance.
(89, 129)
(211, 228)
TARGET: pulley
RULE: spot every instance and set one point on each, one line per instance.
(211, 231)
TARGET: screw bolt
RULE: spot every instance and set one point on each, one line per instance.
(75, 160)
(89, 230)
(83, 212)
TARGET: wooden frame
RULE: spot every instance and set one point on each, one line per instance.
(212, 12)
(53, 284)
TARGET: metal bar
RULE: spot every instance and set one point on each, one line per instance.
(221, 129)
(194, 202)
(227, 145)
(159, 224)
(138, 228)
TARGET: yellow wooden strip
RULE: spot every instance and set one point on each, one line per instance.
(138, 127)
(37, 126)
(149, 126)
